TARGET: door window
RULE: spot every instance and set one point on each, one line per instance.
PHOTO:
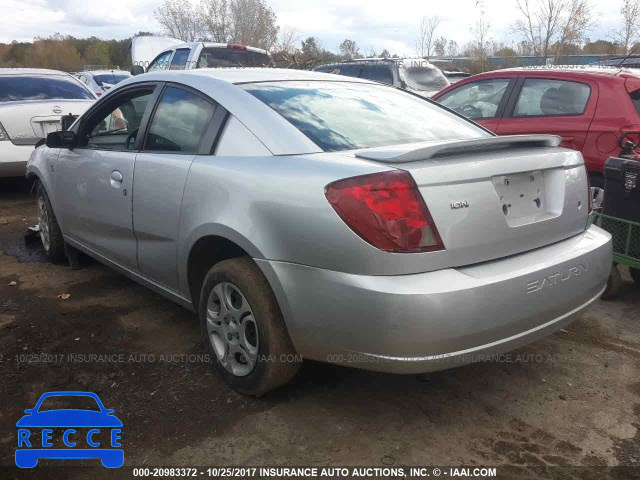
(476, 100)
(161, 62)
(179, 60)
(116, 128)
(180, 122)
(542, 97)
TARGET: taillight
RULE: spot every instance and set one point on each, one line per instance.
(98, 94)
(387, 211)
(3, 134)
(236, 46)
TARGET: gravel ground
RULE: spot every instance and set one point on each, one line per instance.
(572, 399)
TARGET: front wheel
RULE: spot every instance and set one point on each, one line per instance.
(243, 328)
(49, 230)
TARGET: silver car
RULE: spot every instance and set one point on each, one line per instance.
(313, 216)
(100, 81)
(32, 102)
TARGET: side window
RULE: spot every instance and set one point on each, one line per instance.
(476, 100)
(116, 128)
(179, 60)
(377, 73)
(180, 122)
(542, 97)
(161, 62)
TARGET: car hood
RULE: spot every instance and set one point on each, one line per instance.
(69, 418)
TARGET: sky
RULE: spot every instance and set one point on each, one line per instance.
(373, 24)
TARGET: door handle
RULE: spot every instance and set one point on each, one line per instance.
(116, 179)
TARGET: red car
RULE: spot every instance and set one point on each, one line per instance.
(589, 108)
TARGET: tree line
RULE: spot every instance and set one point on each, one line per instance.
(544, 28)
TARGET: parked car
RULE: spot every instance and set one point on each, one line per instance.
(31, 104)
(413, 74)
(590, 108)
(150, 54)
(455, 76)
(307, 215)
(100, 81)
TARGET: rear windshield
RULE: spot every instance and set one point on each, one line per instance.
(212, 57)
(14, 88)
(423, 77)
(109, 79)
(635, 96)
(344, 115)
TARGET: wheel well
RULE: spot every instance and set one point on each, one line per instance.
(205, 253)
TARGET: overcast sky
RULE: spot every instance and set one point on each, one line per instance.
(373, 24)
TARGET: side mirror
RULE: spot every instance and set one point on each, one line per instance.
(66, 121)
(29, 411)
(109, 411)
(62, 140)
(136, 70)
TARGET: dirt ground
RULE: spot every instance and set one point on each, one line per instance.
(570, 399)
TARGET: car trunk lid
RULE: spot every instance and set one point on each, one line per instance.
(27, 122)
(495, 197)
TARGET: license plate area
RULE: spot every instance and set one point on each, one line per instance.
(522, 197)
(49, 127)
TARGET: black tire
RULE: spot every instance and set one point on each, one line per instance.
(54, 247)
(277, 361)
(635, 275)
(596, 180)
(614, 284)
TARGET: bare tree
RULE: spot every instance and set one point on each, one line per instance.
(428, 27)
(544, 22)
(627, 34)
(482, 42)
(452, 48)
(575, 23)
(180, 19)
(249, 22)
(349, 49)
(288, 41)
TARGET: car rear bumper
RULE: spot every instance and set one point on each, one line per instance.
(13, 159)
(436, 320)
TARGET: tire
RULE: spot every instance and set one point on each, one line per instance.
(635, 275)
(243, 328)
(614, 284)
(50, 233)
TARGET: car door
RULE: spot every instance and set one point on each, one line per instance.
(161, 62)
(553, 106)
(482, 101)
(180, 129)
(95, 179)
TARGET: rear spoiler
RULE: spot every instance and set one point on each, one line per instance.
(426, 150)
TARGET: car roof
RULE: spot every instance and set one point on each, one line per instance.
(569, 70)
(251, 75)
(30, 71)
(104, 72)
(215, 45)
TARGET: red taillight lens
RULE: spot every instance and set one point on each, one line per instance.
(386, 210)
(98, 94)
(236, 46)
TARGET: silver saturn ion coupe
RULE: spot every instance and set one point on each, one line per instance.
(317, 216)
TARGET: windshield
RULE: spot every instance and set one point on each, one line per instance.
(343, 115)
(213, 57)
(66, 402)
(109, 79)
(421, 75)
(14, 88)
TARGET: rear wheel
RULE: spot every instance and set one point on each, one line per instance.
(50, 233)
(243, 328)
(635, 275)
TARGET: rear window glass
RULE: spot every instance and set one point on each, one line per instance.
(343, 116)
(15, 88)
(422, 76)
(635, 97)
(213, 57)
(109, 79)
(377, 73)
